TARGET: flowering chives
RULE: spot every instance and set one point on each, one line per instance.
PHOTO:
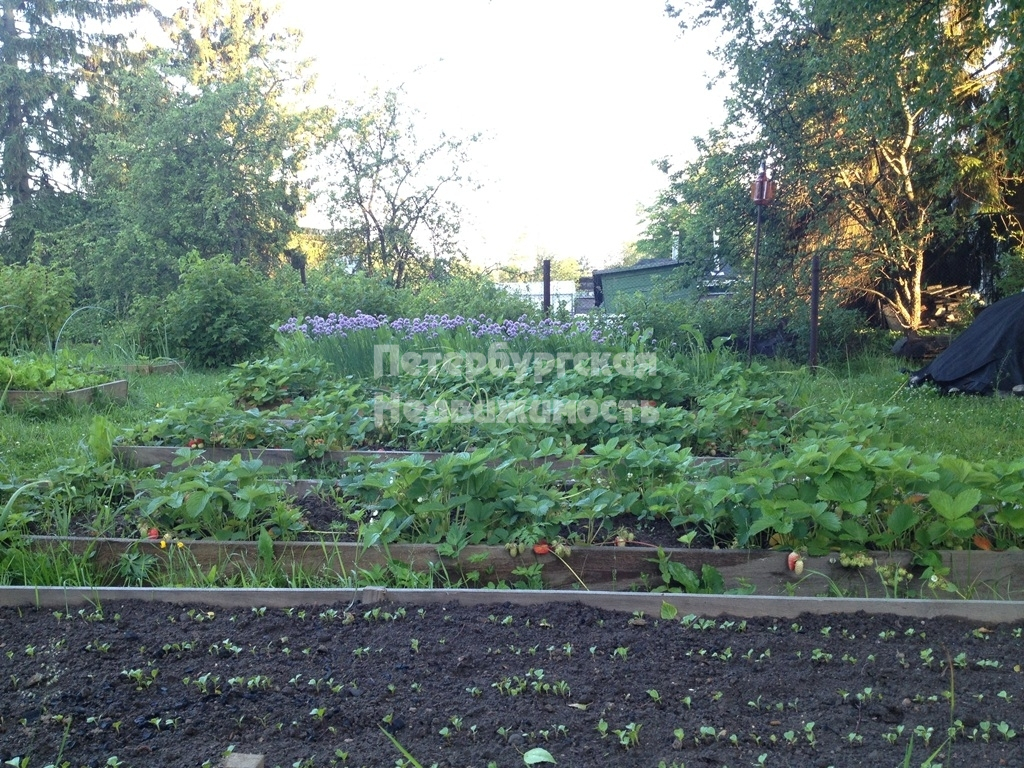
(598, 330)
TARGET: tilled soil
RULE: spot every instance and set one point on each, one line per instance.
(143, 684)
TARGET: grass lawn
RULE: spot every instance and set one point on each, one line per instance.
(32, 442)
(968, 426)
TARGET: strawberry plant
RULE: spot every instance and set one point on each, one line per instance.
(271, 382)
(227, 500)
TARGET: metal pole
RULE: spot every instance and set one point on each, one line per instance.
(815, 284)
(753, 291)
(547, 287)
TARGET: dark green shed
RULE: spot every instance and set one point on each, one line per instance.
(611, 285)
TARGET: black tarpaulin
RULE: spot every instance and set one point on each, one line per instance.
(986, 357)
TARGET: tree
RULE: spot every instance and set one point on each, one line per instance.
(54, 57)
(876, 123)
(562, 268)
(386, 194)
(203, 153)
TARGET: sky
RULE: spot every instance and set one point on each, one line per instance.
(573, 99)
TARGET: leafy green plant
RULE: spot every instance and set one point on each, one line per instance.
(227, 500)
(34, 301)
(263, 382)
(44, 374)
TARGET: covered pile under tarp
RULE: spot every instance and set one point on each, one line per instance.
(986, 357)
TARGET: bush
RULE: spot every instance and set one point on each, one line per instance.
(333, 290)
(1010, 277)
(222, 313)
(147, 329)
(842, 334)
(468, 297)
(34, 303)
(779, 331)
(670, 318)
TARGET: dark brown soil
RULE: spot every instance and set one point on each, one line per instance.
(313, 687)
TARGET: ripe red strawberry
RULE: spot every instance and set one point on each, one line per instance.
(154, 533)
(541, 548)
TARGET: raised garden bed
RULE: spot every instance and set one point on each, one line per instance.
(23, 398)
(177, 678)
(977, 575)
(162, 456)
(147, 369)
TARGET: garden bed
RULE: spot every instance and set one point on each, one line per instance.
(973, 575)
(24, 398)
(148, 369)
(310, 678)
(162, 457)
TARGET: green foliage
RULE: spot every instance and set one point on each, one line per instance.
(222, 313)
(459, 499)
(877, 124)
(334, 290)
(271, 382)
(55, 60)
(44, 374)
(227, 500)
(34, 302)
(810, 466)
(469, 297)
(148, 325)
(201, 151)
(1011, 272)
(407, 230)
(782, 329)
(678, 577)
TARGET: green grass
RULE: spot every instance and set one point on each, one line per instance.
(33, 442)
(967, 426)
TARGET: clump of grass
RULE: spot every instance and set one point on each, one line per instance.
(33, 442)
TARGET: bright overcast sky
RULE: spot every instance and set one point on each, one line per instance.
(574, 101)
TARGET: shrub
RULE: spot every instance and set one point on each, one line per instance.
(468, 297)
(670, 319)
(333, 290)
(780, 331)
(35, 302)
(222, 312)
(1010, 277)
(146, 330)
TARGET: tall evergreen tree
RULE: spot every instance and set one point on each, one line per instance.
(53, 57)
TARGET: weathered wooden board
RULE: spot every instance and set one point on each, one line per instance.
(978, 575)
(22, 398)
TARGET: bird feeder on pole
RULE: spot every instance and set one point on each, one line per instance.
(762, 192)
